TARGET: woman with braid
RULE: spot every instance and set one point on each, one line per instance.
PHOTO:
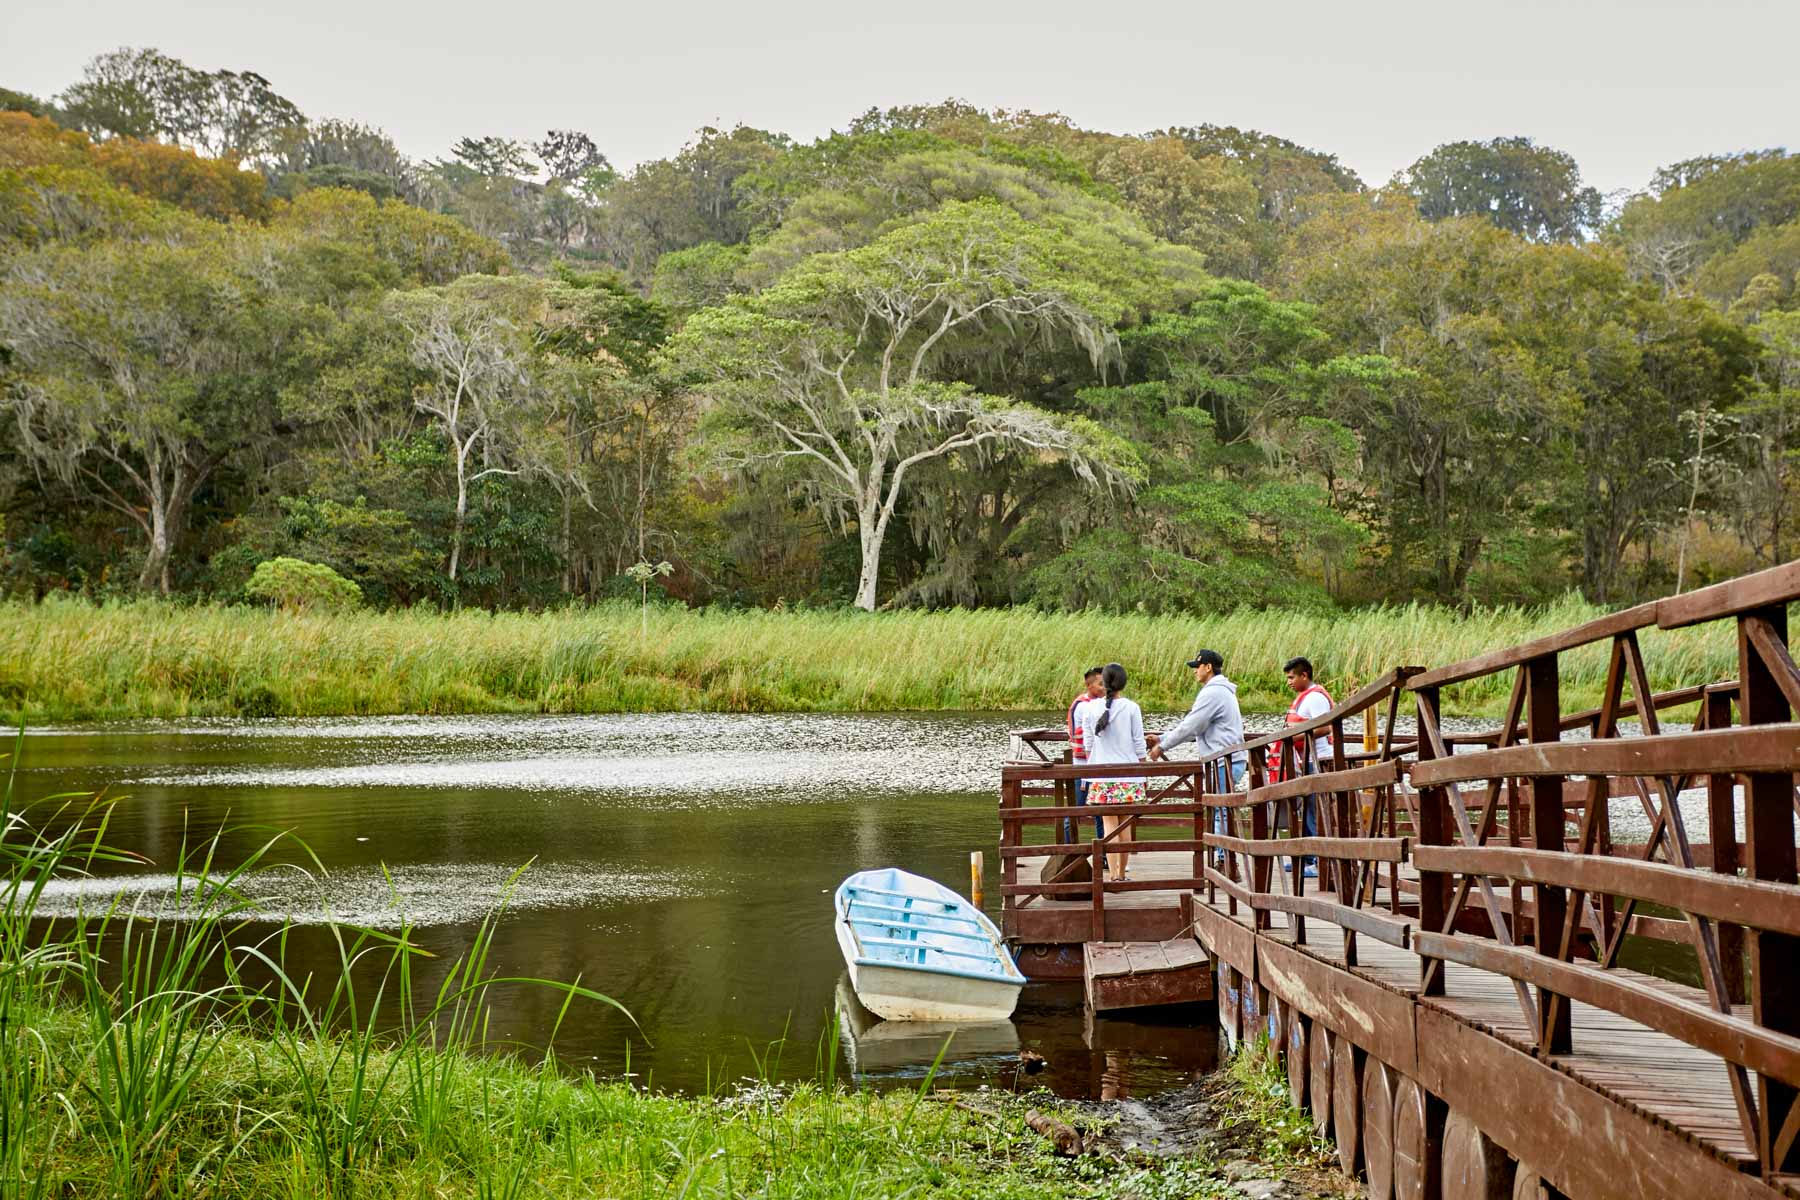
(1113, 731)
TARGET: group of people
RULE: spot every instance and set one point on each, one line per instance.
(1107, 728)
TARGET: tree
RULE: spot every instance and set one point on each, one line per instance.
(1285, 173)
(147, 94)
(1454, 440)
(476, 382)
(209, 187)
(134, 93)
(497, 380)
(1770, 422)
(494, 157)
(336, 153)
(297, 586)
(1702, 208)
(1527, 189)
(139, 376)
(569, 155)
(835, 371)
(1209, 203)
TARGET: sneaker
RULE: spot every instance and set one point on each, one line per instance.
(1312, 872)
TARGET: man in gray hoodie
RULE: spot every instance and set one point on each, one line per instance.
(1214, 724)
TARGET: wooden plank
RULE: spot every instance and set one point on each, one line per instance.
(1596, 630)
(1769, 906)
(1226, 939)
(1139, 975)
(1729, 1037)
(1777, 585)
(1388, 850)
(1769, 748)
(1382, 774)
(1583, 1142)
(1378, 1020)
(1324, 905)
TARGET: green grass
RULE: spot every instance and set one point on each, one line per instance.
(66, 661)
(138, 1060)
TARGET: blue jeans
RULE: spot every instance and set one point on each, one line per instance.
(1222, 816)
(1309, 817)
(1081, 791)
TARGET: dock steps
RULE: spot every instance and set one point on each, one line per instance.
(1143, 974)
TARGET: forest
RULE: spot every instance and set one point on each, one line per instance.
(943, 357)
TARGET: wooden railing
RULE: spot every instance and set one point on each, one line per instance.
(1186, 793)
(1496, 817)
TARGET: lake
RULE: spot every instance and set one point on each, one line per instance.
(680, 863)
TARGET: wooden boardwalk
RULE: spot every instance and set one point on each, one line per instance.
(1448, 995)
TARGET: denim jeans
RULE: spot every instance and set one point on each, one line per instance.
(1221, 820)
(1081, 791)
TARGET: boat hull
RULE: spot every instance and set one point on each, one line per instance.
(901, 993)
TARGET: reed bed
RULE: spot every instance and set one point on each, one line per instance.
(67, 660)
(137, 1059)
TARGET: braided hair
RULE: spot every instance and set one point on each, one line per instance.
(1113, 676)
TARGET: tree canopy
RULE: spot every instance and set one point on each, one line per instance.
(942, 355)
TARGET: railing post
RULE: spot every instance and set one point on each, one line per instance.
(1201, 824)
(1721, 822)
(1543, 723)
(1259, 866)
(1009, 866)
(1769, 854)
(1433, 830)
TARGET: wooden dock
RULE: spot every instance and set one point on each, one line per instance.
(1448, 996)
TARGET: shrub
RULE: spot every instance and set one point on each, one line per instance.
(296, 584)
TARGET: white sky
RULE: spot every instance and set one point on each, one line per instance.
(1623, 85)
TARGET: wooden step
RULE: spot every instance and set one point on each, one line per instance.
(1142, 974)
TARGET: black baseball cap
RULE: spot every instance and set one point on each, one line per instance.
(1211, 658)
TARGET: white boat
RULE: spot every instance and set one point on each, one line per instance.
(917, 951)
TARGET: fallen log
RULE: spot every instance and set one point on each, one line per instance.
(1064, 1137)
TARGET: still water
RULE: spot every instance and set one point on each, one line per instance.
(681, 863)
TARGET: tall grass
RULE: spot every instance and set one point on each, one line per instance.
(73, 661)
(137, 1059)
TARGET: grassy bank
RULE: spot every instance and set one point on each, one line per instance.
(139, 1059)
(501, 1129)
(71, 661)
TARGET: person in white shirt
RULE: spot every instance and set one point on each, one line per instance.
(1112, 730)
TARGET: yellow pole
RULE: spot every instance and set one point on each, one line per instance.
(1370, 741)
(975, 873)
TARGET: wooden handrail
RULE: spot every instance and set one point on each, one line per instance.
(1729, 1036)
(1380, 774)
(1777, 585)
(1770, 748)
(1599, 629)
(1771, 906)
(1388, 850)
(1367, 697)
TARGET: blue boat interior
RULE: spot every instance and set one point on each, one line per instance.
(904, 929)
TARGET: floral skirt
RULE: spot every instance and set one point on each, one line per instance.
(1116, 791)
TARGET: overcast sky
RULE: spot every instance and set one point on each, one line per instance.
(1623, 85)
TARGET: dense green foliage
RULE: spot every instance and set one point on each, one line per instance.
(945, 356)
(147, 658)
